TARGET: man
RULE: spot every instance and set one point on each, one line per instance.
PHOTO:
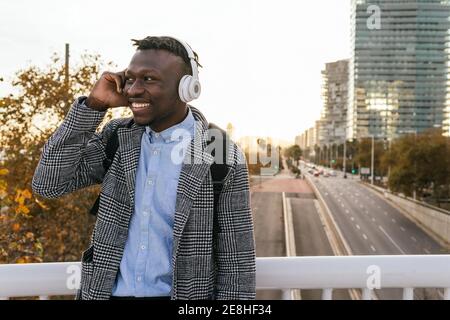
(160, 233)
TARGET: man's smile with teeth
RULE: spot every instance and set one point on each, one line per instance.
(140, 105)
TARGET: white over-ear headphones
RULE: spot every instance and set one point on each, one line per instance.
(189, 87)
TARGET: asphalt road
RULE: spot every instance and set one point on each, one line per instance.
(311, 240)
(310, 237)
(269, 232)
(371, 225)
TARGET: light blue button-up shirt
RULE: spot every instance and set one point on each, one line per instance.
(145, 269)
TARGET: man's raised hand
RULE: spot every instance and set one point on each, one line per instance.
(108, 92)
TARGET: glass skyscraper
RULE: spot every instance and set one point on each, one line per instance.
(399, 69)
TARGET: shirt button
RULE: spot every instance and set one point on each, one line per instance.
(150, 181)
(139, 279)
(155, 152)
(157, 134)
(143, 247)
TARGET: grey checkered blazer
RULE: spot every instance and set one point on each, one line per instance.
(213, 252)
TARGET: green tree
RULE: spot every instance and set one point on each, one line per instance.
(294, 152)
(420, 163)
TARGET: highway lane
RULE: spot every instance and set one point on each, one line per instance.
(269, 232)
(311, 239)
(371, 225)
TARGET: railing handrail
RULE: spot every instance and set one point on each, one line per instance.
(318, 272)
(321, 272)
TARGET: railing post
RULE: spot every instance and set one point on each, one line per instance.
(447, 294)
(286, 294)
(327, 294)
(366, 294)
(408, 294)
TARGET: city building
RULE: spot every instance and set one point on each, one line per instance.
(335, 99)
(399, 68)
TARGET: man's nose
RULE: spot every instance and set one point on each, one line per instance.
(137, 88)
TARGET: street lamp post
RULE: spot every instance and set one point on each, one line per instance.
(331, 155)
(389, 167)
(372, 165)
(344, 163)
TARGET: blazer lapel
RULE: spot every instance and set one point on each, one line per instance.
(194, 168)
(130, 147)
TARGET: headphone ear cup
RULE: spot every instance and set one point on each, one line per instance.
(194, 88)
(183, 88)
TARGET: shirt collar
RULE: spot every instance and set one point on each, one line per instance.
(167, 135)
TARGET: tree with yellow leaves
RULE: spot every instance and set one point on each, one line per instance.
(34, 229)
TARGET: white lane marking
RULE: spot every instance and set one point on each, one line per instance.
(364, 236)
(358, 227)
(373, 219)
(427, 251)
(347, 211)
(413, 239)
(393, 220)
(351, 218)
(403, 229)
(342, 205)
(373, 248)
(392, 240)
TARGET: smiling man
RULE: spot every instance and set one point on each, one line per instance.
(165, 229)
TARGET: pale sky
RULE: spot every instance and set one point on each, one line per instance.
(262, 59)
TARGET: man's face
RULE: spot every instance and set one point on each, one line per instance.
(151, 85)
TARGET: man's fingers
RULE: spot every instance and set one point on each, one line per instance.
(121, 76)
(118, 81)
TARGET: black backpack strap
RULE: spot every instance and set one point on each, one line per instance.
(219, 171)
(111, 148)
(219, 168)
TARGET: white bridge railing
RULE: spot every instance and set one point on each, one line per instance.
(286, 273)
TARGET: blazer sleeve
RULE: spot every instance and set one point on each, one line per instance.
(235, 246)
(73, 156)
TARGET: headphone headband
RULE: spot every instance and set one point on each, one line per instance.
(191, 57)
(189, 87)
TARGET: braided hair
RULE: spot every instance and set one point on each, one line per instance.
(168, 44)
